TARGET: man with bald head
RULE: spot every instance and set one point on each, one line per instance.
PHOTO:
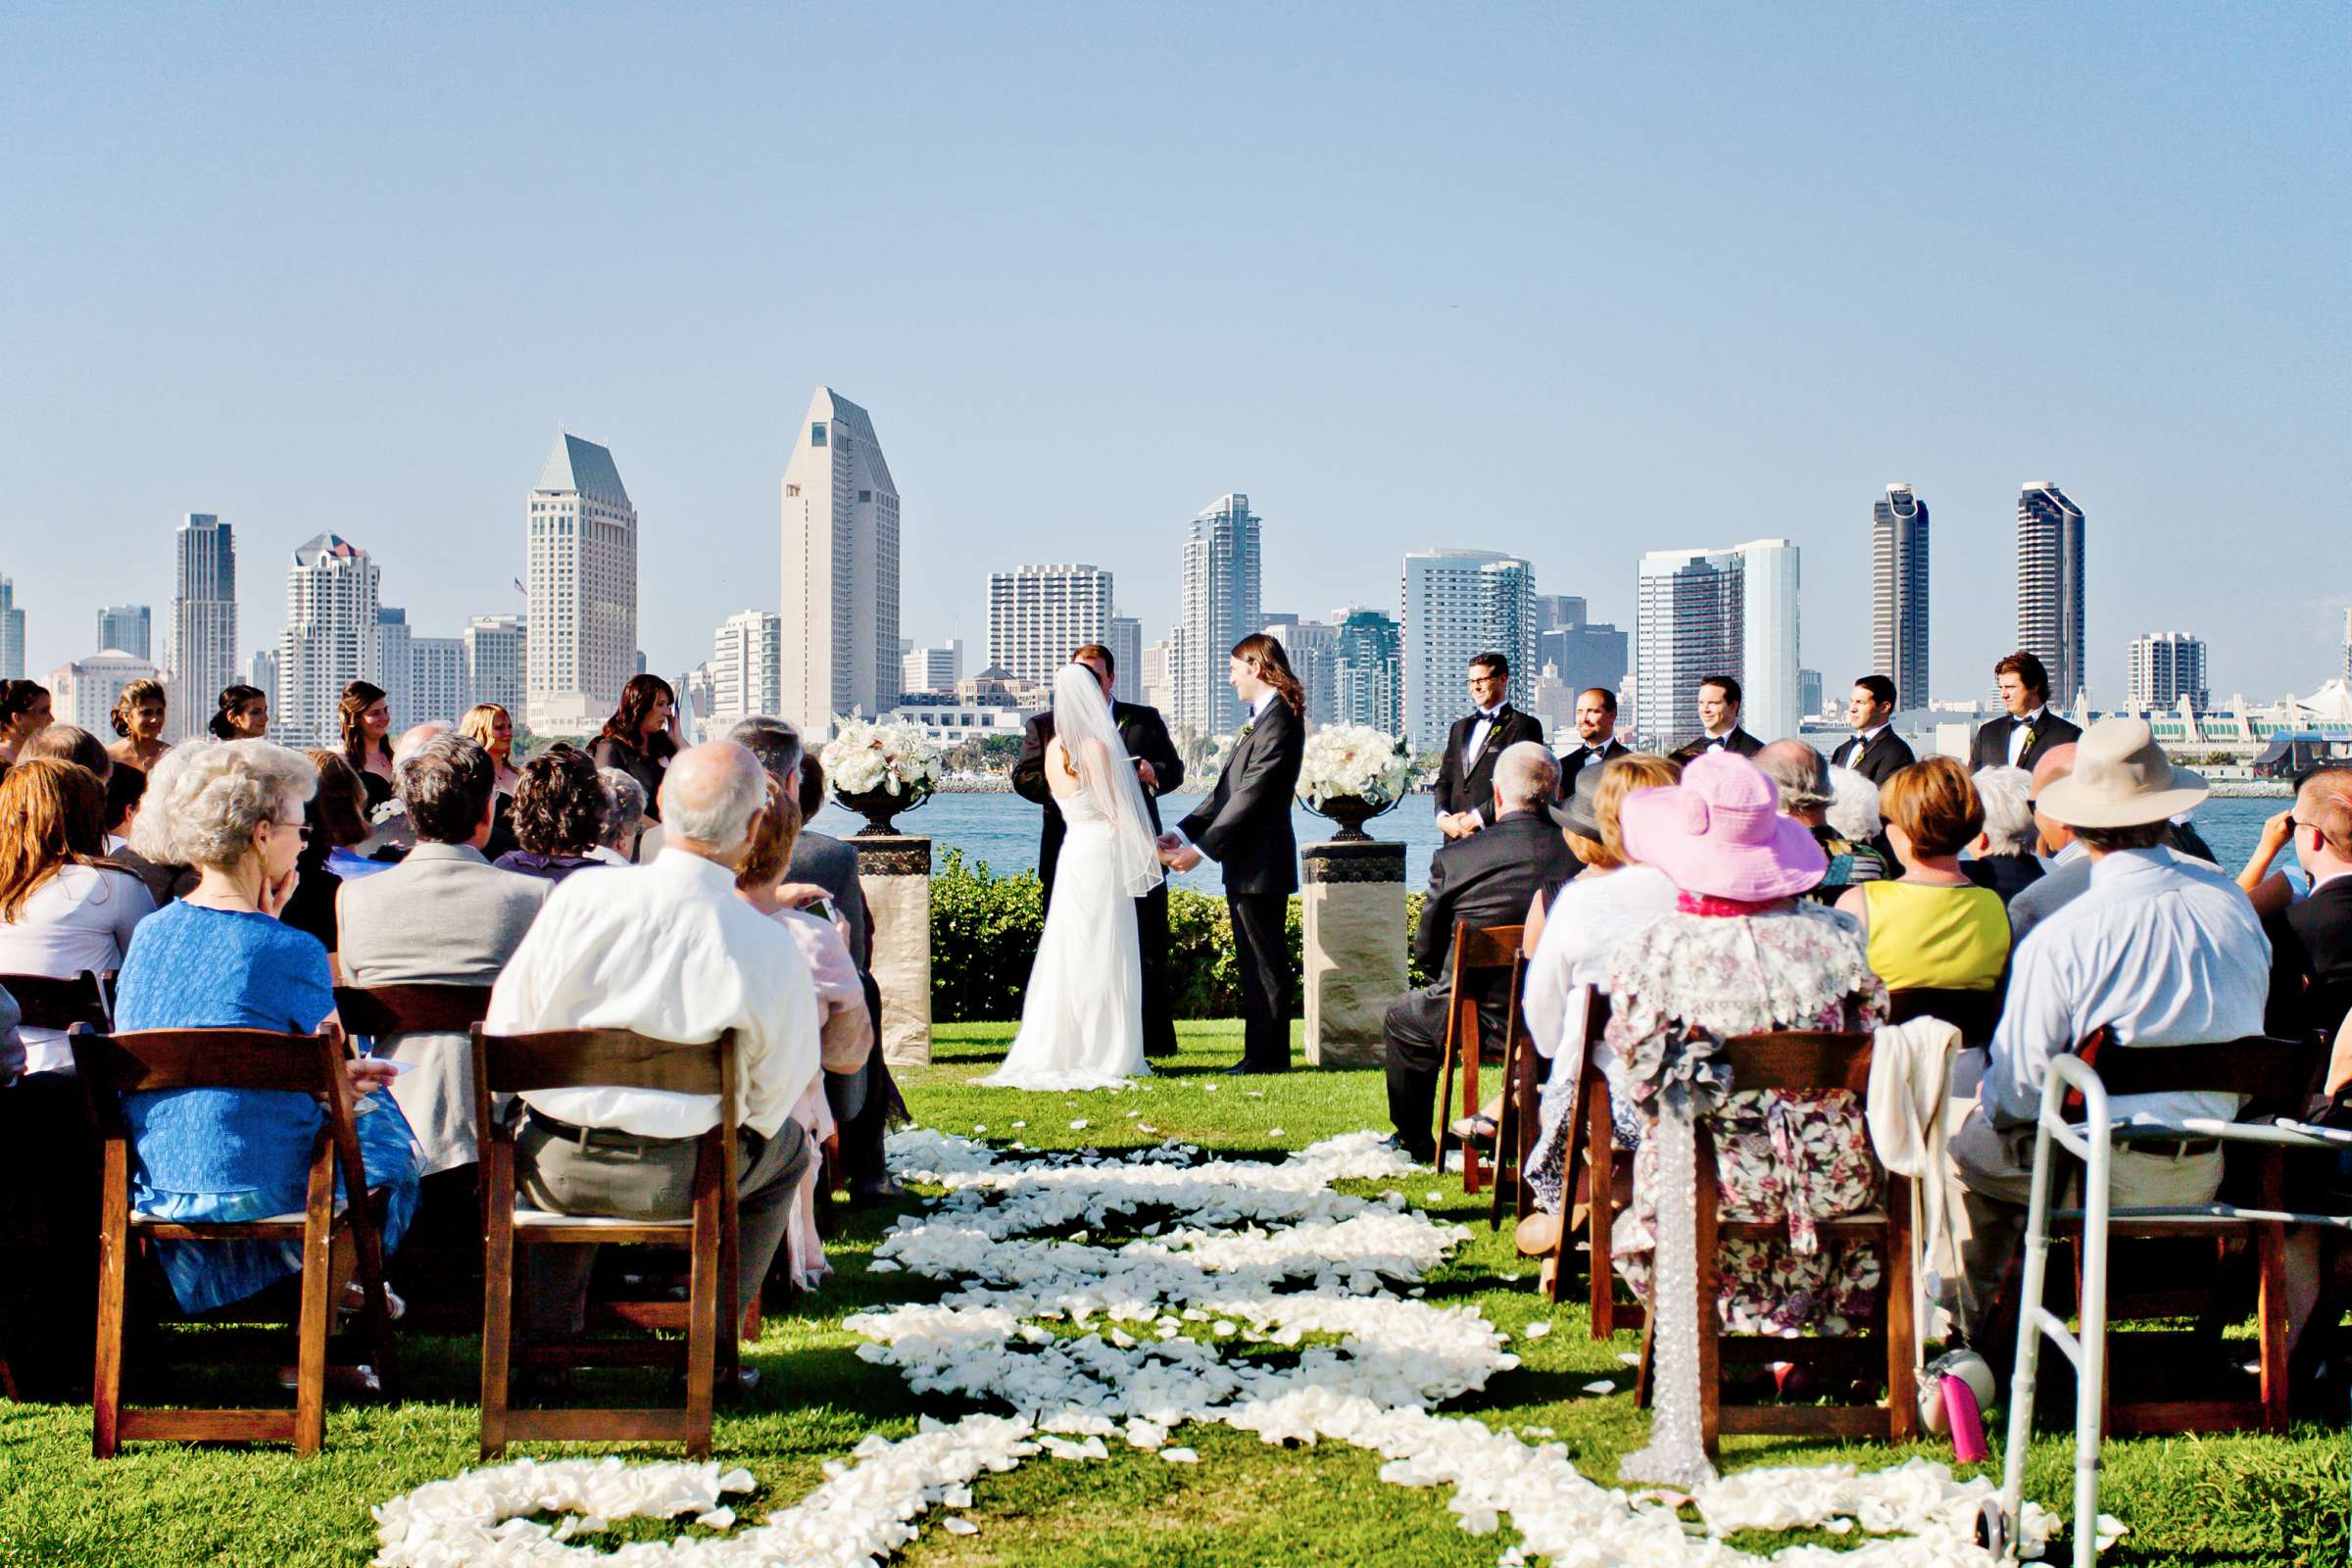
(667, 949)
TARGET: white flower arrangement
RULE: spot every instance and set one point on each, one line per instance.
(896, 758)
(1355, 760)
(391, 808)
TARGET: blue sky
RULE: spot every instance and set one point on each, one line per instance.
(1572, 282)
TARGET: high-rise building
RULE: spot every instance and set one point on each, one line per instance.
(1036, 614)
(1718, 613)
(204, 622)
(1126, 644)
(261, 676)
(1367, 671)
(437, 685)
(1554, 611)
(1581, 653)
(2166, 667)
(1313, 646)
(746, 666)
(84, 691)
(1458, 604)
(2049, 588)
(393, 647)
(1159, 676)
(932, 669)
(696, 694)
(1898, 595)
(1221, 606)
(1809, 693)
(329, 640)
(126, 629)
(841, 569)
(11, 633)
(497, 659)
(2347, 633)
(582, 589)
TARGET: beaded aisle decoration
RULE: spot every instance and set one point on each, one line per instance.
(1677, 1455)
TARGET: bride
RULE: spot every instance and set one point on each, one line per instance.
(1082, 1023)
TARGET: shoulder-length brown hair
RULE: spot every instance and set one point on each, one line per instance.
(1264, 655)
(339, 812)
(769, 855)
(52, 816)
(359, 696)
(627, 722)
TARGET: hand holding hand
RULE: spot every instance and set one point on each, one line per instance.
(1167, 843)
(1183, 860)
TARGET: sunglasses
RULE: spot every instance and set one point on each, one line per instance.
(302, 828)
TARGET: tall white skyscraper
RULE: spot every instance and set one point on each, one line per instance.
(1221, 606)
(203, 656)
(393, 648)
(1898, 597)
(1774, 705)
(126, 628)
(497, 656)
(582, 590)
(2166, 667)
(746, 667)
(1704, 612)
(11, 633)
(84, 691)
(1126, 644)
(2049, 587)
(329, 640)
(1159, 676)
(841, 569)
(1036, 614)
(437, 684)
(932, 669)
(1456, 604)
(1367, 678)
(1313, 646)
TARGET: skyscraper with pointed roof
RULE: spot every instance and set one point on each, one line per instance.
(840, 523)
(1898, 597)
(329, 641)
(2049, 587)
(582, 591)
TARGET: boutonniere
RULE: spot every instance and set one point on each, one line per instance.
(1243, 733)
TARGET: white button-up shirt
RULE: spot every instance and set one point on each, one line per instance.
(2159, 950)
(669, 950)
(2017, 733)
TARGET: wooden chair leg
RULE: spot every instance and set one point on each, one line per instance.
(2269, 1316)
(702, 1323)
(318, 1312)
(1506, 1133)
(1572, 1169)
(1446, 1100)
(1902, 1328)
(114, 1245)
(498, 1298)
(1600, 1210)
(1470, 1167)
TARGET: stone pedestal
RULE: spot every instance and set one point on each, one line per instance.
(895, 870)
(1352, 898)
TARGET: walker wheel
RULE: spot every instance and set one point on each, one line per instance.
(1992, 1528)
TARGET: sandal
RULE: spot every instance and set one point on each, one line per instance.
(1475, 1129)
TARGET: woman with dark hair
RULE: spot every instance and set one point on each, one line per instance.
(138, 717)
(365, 719)
(336, 815)
(243, 714)
(24, 713)
(642, 736)
(558, 815)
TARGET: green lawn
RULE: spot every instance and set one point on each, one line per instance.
(2223, 1501)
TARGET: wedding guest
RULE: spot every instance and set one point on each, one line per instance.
(335, 824)
(2004, 859)
(2311, 989)
(1853, 808)
(138, 717)
(1597, 741)
(1486, 879)
(2067, 863)
(1802, 776)
(1874, 751)
(24, 713)
(1719, 722)
(672, 953)
(364, 720)
(1932, 928)
(2019, 736)
(1742, 955)
(829, 862)
(557, 815)
(220, 959)
(126, 789)
(69, 743)
(641, 736)
(624, 817)
(1465, 788)
(243, 714)
(62, 909)
(492, 727)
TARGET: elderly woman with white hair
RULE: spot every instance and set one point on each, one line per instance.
(2004, 859)
(220, 959)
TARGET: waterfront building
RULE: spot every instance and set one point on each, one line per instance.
(1221, 605)
(84, 691)
(1036, 614)
(932, 669)
(127, 629)
(1556, 611)
(1584, 652)
(203, 654)
(1367, 670)
(261, 676)
(746, 666)
(1899, 597)
(946, 719)
(698, 695)
(2168, 666)
(582, 591)
(839, 603)
(437, 685)
(1158, 680)
(1126, 645)
(11, 633)
(1704, 612)
(1809, 695)
(393, 648)
(2049, 588)
(1457, 604)
(329, 640)
(1313, 646)
(497, 663)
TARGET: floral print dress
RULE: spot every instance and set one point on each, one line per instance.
(1802, 1158)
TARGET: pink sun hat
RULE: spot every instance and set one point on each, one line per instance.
(1720, 833)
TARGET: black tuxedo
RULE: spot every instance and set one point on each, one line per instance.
(1244, 826)
(1573, 762)
(1146, 737)
(1738, 740)
(2310, 945)
(1886, 755)
(1486, 879)
(1990, 748)
(1471, 787)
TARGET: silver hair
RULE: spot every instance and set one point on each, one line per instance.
(723, 818)
(1525, 775)
(1804, 781)
(1853, 808)
(206, 797)
(774, 742)
(624, 807)
(2008, 819)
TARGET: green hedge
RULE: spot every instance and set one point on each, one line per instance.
(985, 929)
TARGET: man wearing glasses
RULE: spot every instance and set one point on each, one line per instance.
(1466, 778)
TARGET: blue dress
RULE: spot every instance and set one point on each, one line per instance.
(224, 1154)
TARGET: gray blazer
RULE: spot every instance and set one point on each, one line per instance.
(832, 865)
(445, 914)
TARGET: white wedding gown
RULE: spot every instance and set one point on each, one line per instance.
(1082, 1020)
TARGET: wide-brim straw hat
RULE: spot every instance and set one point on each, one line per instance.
(1580, 812)
(1720, 833)
(2121, 778)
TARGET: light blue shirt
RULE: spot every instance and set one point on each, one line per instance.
(2159, 950)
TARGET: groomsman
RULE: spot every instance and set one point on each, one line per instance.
(1719, 722)
(1875, 750)
(1596, 734)
(1466, 778)
(2019, 737)
(1158, 770)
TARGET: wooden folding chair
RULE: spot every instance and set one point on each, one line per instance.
(113, 1066)
(50, 1003)
(27, 1236)
(1806, 1063)
(1975, 1013)
(2276, 1076)
(617, 1058)
(1477, 954)
(1592, 1158)
(411, 1006)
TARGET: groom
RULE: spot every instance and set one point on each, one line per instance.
(1244, 826)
